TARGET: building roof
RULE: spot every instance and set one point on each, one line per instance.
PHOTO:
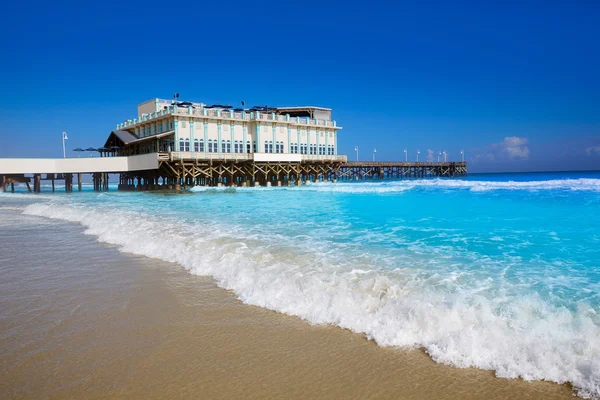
(125, 138)
(300, 108)
(122, 136)
(160, 135)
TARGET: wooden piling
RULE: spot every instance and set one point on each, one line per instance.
(79, 181)
(37, 183)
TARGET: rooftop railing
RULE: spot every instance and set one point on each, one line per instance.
(225, 114)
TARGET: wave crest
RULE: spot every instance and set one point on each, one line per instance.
(514, 336)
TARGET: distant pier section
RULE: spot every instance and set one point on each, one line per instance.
(174, 144)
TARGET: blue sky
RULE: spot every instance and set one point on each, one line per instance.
(515, 84)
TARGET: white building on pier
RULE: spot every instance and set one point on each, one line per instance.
(198, 130)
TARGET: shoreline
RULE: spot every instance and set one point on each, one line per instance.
(162, 332)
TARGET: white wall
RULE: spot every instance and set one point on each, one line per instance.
(78, 165)
(277, 157)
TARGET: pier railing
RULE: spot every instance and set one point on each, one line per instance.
(209, 156)
(203, 155)
(338, 158)
(404, 164)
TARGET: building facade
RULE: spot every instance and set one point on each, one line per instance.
(204, 131)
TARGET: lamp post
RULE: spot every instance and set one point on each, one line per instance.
(356, 150)
(462, 154)
(374, 151)
(418, 152)
(445, 154)
(405, 155)
(64, 137)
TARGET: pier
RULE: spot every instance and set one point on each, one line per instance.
(176, 144)
(177, 170)
(25, 170)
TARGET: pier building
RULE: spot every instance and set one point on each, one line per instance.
(204, 130)
(173, 144)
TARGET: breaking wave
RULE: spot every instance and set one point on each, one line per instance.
(581, 184)
(464, 325)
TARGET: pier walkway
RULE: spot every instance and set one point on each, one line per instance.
(173, 170)
(13, 170)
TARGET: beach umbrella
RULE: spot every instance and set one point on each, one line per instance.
(91, 149)
(78, 150)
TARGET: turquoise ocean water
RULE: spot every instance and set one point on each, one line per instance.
(498, 271)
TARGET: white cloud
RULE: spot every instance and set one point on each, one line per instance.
(511, 148)
(515, 147)
(592, 150)
(430, 157)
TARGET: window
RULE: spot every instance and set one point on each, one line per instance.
(144, 131)
(171, 125)
(201, 145)
(229, 146)
(212, 146)
(254, 147)
(247, 147)
(184, 144)
(268, 147)
(239, 146)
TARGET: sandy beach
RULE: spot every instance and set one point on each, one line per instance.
(79, 319)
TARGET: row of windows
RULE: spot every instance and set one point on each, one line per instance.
(312, 149)
(238, 147)
(269, 147)
(213, 146)
(154, 129)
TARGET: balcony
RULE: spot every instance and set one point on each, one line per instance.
(223, 114)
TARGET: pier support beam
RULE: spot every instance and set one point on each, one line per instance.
(37, 183)
(79, 181)
(68, 183)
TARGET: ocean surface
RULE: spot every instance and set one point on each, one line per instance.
(496, 271)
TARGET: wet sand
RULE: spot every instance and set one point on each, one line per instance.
(79, 319)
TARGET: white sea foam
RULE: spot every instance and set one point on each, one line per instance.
(382, 187)
(516, 336)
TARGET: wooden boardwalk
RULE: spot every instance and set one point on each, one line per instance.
(355, 170)
(175, 170)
